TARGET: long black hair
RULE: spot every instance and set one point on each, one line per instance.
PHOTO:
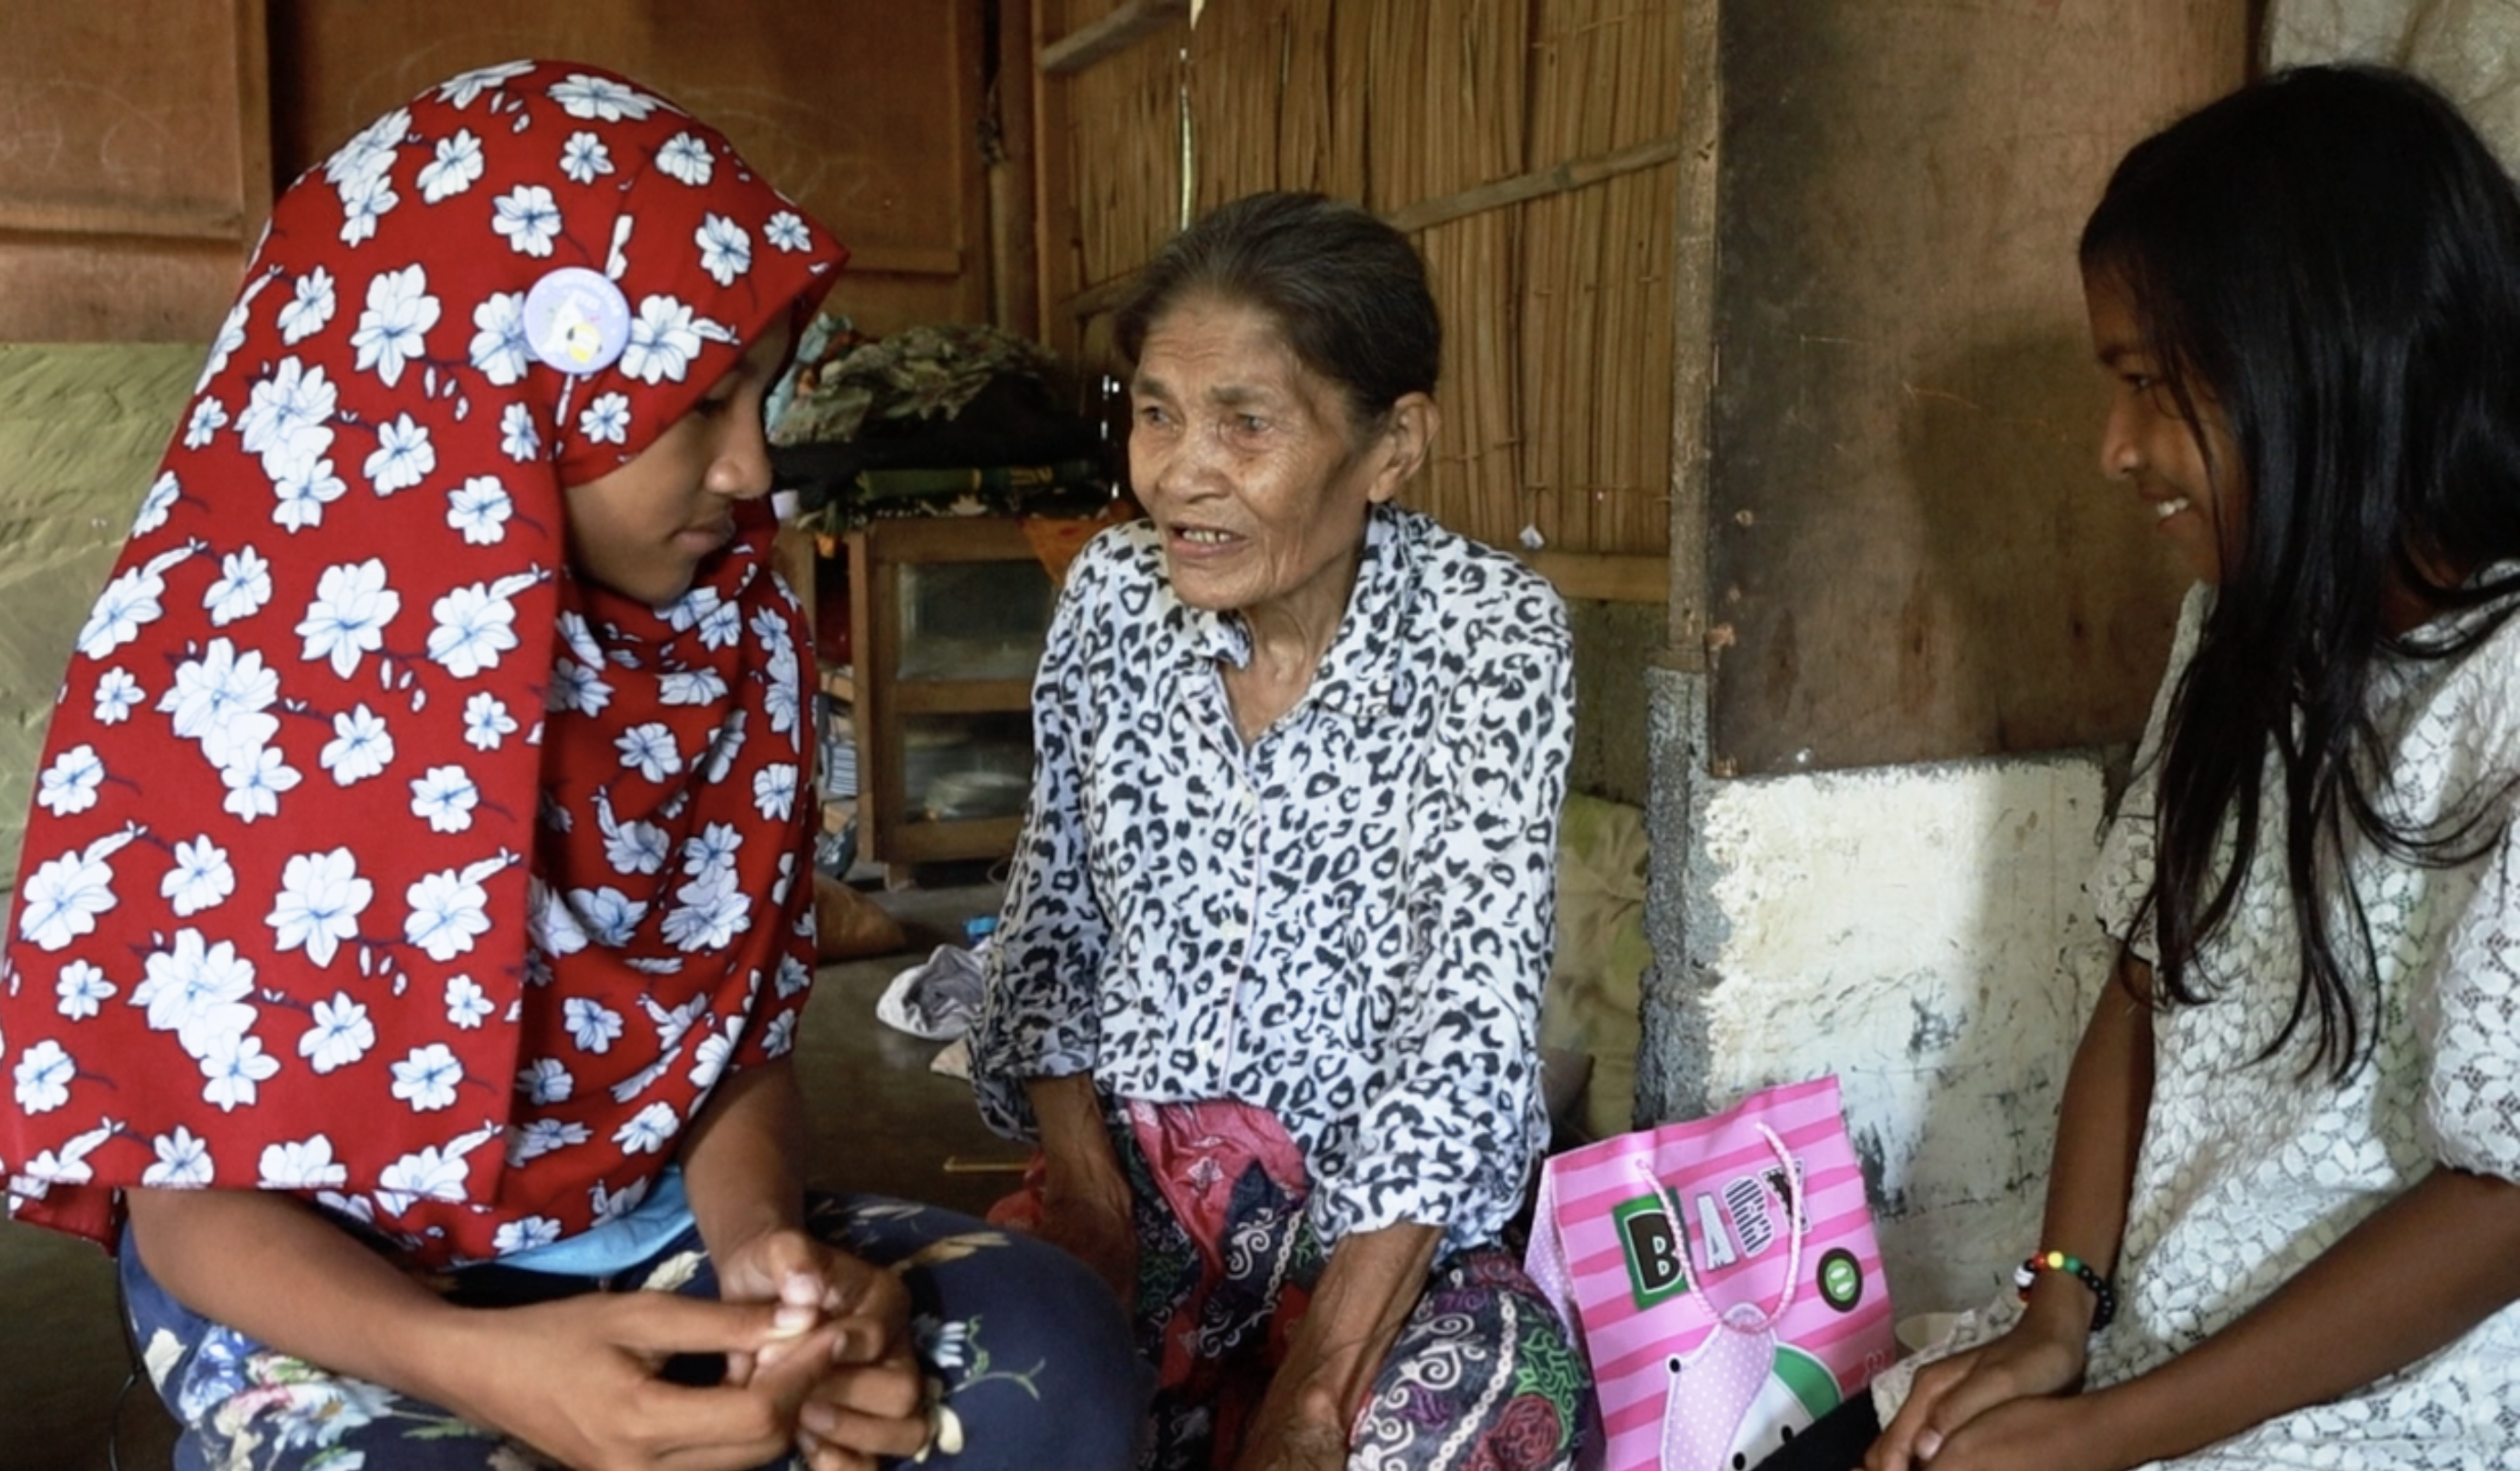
(2330, 260)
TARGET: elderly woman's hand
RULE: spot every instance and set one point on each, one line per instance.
(1090, 1221)
(1289, 1445)
(1085, 1205)
(1365, 1293)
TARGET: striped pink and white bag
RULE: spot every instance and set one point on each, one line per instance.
(1721, 1276)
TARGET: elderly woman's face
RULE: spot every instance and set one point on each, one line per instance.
(1247, 462)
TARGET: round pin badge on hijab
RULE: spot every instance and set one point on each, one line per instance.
(576, 321)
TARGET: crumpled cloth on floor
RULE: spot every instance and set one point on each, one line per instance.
(937, 997)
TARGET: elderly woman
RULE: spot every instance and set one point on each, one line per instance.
(1267, 985)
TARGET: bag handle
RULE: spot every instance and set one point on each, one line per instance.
(1544, 1261)
(1795, 1226)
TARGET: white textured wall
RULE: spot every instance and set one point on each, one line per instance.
(1903, 929)
(1921, 933)
(2470, 49)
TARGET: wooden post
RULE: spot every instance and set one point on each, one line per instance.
(1015, 283)
(1058, 270)
(1693, 337)
(973, 242)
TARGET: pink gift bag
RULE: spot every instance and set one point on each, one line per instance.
(1721, 1276)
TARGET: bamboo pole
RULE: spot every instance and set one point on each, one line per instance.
(1561, 178)
(1353, 119)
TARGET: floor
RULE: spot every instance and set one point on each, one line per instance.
(882, 1122)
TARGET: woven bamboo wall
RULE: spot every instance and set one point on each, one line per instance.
(1557, 308)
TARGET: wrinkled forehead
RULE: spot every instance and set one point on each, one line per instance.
(1240, 346)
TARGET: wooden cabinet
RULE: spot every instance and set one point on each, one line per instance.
(947, 619)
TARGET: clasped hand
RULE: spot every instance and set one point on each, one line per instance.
(2008, 1403)
(867, 1400)
(818, 1352)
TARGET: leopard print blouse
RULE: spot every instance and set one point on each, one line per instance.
(1346, 921)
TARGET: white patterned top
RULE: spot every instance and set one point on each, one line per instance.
(2250, 1170)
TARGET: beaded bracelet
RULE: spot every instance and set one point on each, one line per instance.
(2078, 1268)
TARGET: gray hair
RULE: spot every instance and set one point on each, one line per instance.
(1348, 291)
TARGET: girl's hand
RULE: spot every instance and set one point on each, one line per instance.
(859, 1412)
(2030, 1363)
(868, 1401)
(2051, 1433)
(579, 1380)
(813, 1285)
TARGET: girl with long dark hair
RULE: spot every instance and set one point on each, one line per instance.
(2283, 1227)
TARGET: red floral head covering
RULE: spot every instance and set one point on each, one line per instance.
(375, 857)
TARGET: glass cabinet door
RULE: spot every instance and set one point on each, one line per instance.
(961, 767)
(972, 620)
(950, 616)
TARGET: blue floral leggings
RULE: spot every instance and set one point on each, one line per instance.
(1030, 1350)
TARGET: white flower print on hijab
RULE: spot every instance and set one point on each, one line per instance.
(324, 733)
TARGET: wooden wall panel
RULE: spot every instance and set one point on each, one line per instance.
(76, 288)
(865, 111)
(138, 145)
(1913, 556)
(134, 167)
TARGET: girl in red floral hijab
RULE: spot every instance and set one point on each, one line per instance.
(415, 913)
